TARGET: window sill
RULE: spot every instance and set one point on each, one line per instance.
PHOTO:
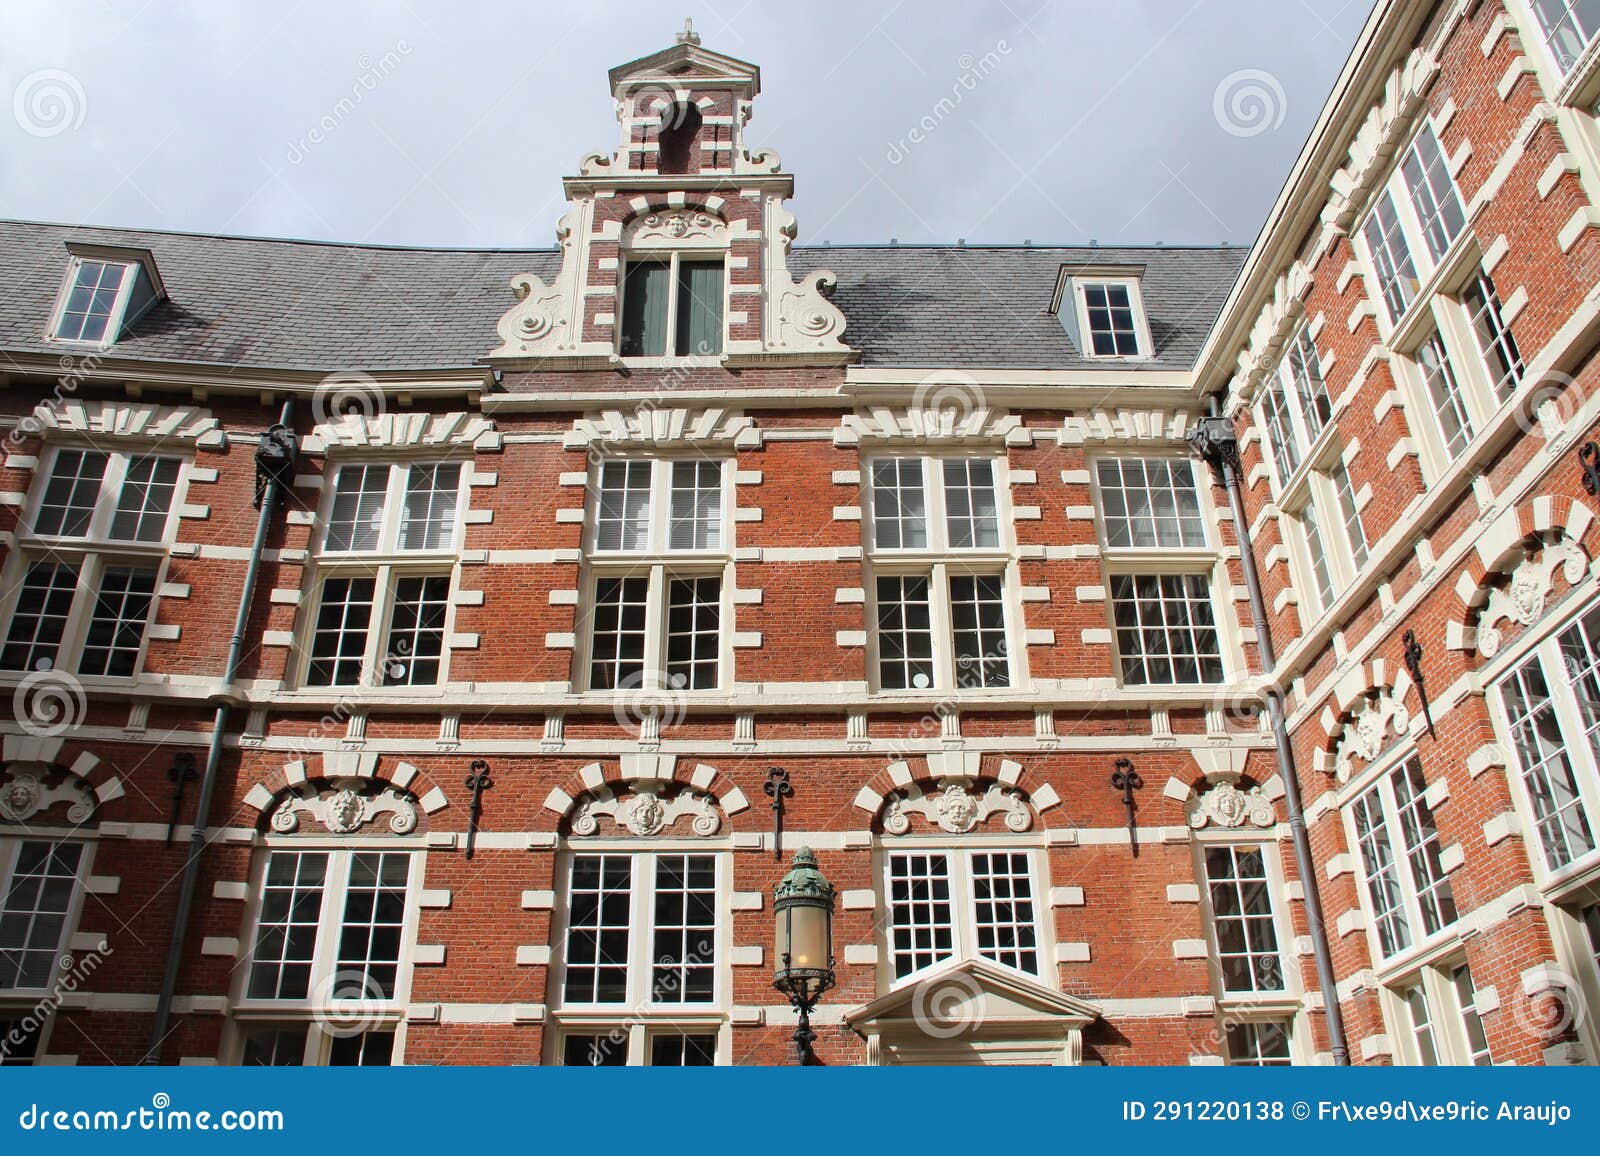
(1424, 953)
(714, 361)
(1580, 87)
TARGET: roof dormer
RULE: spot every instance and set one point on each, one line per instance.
(106, 289)
(675, 248)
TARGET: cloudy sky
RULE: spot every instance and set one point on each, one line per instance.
(450, 123)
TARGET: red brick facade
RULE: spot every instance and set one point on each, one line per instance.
(1118, 961)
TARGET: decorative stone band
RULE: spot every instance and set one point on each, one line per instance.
(1366, 709)
(956, 806)
(25, 787)
(656, 428)
(648, 798)
(131, 419)
(408, 430)
(947, 412)
(352, 795)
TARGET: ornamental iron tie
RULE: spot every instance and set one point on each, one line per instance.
(1589, 461)
(1413, 660)
(180, 774)
(1127, 780)
(778, 789)
(477, 782)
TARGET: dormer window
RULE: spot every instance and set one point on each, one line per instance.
(105, 291)
(1104, 314)
(673, 284)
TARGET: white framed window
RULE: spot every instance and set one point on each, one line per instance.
(1148, 503)
(1408, 892)
(1259, 1043)
(1166, 629)
(936, 504)
(1549, 704)
(1110, 317)
(1295, 406)
(962, 904)
(1461, 366)
(384, 571)
(657, 589)
(274, 1044)
(939, 594)
(332, 929)
(638, 1045)
(1328, 536)
(1158, 566)
(1568, 28)
(642, 931)
(671, 305)
(1414, 221)
(83, 580)
(1242, 919)
(40, 893)
(658, 506)
(1436, 1009)
(94, 301)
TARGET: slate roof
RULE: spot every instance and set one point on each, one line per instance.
(322, 307)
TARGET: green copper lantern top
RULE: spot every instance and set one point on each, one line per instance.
(804, 879)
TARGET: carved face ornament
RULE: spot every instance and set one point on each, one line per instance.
(957, 810)
(345, 812)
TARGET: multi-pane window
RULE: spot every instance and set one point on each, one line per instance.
(952, 904)
(1414, 221)
(1166, 630)
(1259, 1044)
(383, 576)
(87, 568)
(1150, 502)
(1437, 1009)
(91, 300)
(1242, 920)
(657, 624)
(1568, 27)
(1551, 702)
(1407, 887)
(1445, 396)
(330, 926)
(977, 652)
(40, 880)
(939, 558)
(660, 1048)
(1109, 314)
(280, 1045)
(641, 930)
(1295, 406)
(934, 503)
(107, 497)
(1501, 358)
(1464, 367)
(1326, 511)
(671, 307)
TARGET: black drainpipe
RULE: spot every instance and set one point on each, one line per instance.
(1213, 438)
(274, 476)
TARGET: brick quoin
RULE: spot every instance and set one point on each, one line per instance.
(832, 360)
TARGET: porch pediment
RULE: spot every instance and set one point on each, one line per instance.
(973, 1012)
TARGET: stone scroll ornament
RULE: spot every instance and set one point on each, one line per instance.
(344, 810)
(954, 808)
(23, 794)
(1522, 600)
(642, 811)
(1225, 805)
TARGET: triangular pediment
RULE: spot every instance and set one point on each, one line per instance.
(977, 991)
(689, 62)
